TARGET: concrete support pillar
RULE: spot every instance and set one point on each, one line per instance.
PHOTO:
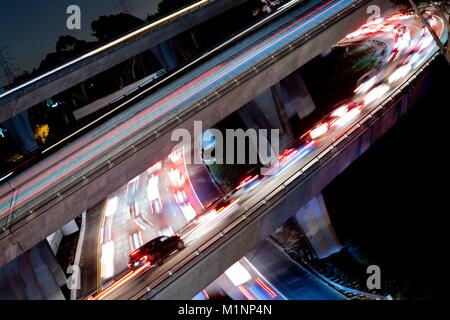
(19, 128)
(54, 240)
(265, 103)
(295, 96)
(166, 55)
(254, 118)
(315, 222)
(35, 275)
(69, 228)
(262, 113)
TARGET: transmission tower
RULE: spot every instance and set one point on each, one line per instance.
(6, 67)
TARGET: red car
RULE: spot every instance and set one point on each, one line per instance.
(155, 251)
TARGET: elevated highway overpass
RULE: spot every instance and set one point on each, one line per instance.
(71, 73)
(233, 236)
(39, 201)
(214, 243)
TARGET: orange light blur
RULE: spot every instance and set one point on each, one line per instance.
(120, 282)
(266, 288)
(246, 293)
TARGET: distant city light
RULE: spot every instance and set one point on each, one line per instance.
(111, 206)
(52, 104)
(107, 260)
(238, 274)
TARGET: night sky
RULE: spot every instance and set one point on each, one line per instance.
(30, 28)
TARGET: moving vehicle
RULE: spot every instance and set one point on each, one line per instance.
(342, 113)
(155, 251)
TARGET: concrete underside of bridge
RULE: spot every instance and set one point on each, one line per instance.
(56, 206)
(88, 69)
(211, 263)
(35, 275)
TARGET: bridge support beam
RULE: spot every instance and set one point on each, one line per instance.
(277, 106)
(69, 228)
(35, 275)
(166, 55)
(19, 128)
(296, 95)
(316, 225)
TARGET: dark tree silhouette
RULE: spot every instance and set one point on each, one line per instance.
(70, 43)
(110, 27)
(166, 7)
(67, 47)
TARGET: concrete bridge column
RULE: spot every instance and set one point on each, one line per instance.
(295, 96)
(166, 54)
(315, 222)
(19, 128)
(55, 238)
(35, 275)
(69, 228)
(266, 112)
(254, 117)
